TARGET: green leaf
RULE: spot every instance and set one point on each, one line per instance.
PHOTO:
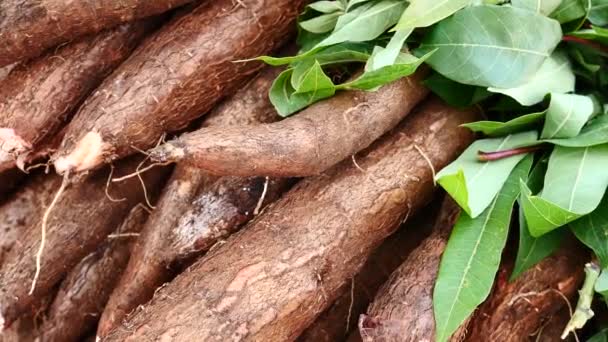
(595, 33)
(368, 25)
(497, 128)
(582, 59)
(474, 184)
(531, 250)
(544, 7)
(554, 76)
(594, 133)
(491, 46)
(375, 78)
(566, 115)
(326, 6)
(601, 285)
(569, 10)
(353, 3)
(472, 256)
(321, 24)
(574, 186)
(598, 13)
(601, 336)
(592, 230)
(314, 86)
(423, 13)
(455, 94)
(387, 56)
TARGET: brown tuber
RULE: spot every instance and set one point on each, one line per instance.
(305, 144)
(77, 225)
(27, 28)
(517, 310)
(85, 291)
(336, 322)
(21, 210)
(175, 76)
(196, 209)
(403, 308)
(39, 96)
(272, 279)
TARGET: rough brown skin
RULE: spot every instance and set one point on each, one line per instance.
(86, 289)
(552, 329)
(28, 27)
(77, 225)
(270, 281)
(196, 209)
(318, 137)
(336, 323)
(174, 77)
(517, 310)
(39, 96)
(403, 310)
(23, 209)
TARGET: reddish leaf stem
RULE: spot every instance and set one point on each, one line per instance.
(587, 42)
(491, 156)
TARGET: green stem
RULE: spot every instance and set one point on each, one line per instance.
(583, 311)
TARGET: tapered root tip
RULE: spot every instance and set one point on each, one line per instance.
(87, 155)
(167, 153)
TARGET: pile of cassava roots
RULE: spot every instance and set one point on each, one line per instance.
(149, 191)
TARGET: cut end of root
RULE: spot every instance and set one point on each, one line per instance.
(87, 155)
(2, 323)
(11, 145)
(167, 153)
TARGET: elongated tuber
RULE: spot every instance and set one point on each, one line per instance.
(271, 280)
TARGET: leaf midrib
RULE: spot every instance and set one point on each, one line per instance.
(577, 180)
(498, 47)
(470, 261)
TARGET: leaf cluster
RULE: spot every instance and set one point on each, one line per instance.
(538, 68)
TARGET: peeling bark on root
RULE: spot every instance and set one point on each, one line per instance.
(403, 310)
(319, 137)
(270, 281)
(195, 210)
(517, 310)
(29, 27)
(39, 96)
(85, 291)
(336, 323)
(177, 75)
(78, 224)
(23, 209)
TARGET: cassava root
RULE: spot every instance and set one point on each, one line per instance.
(403, 310)
(175, 76)
(271, 280)
(80, 221)
(306, 144)
(337, 322)
(85, 291)
(39, 96)
(27, 28)
(196, 209)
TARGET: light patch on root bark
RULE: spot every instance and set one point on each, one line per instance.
(11, 144)
(87, 154)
